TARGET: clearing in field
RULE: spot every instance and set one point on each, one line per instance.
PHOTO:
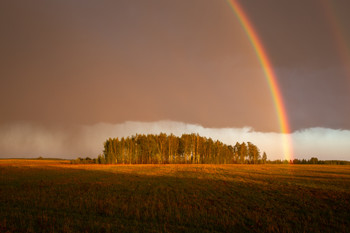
(55, 196)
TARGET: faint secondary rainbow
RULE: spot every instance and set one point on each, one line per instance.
(336, 27)
(270, 77)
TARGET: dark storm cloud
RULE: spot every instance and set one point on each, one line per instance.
(70, 63)
(74, 62)
(319, 98)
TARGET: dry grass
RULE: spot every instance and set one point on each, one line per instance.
(55, 196)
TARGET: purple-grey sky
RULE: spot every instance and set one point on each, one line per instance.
(67, 64)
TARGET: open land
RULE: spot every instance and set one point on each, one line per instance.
(55, 196)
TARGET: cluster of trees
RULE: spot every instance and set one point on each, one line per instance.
(86, 160)
(312, 160)
(187, 149)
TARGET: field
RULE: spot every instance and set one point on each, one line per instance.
(55, 196)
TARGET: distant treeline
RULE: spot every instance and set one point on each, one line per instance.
(170, 149)
(313, 160)
(86, 160)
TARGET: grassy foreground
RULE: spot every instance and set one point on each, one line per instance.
(55, 196)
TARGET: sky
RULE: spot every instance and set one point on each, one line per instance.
(73, 73)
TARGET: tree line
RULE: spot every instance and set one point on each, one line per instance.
(315, 160)
(170, 149)
(312, 160)
(187, 149)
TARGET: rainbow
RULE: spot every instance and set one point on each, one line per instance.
(270, 77)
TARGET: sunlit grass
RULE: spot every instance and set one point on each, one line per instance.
(51, 196)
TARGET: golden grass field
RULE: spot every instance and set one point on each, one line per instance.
(56, 196)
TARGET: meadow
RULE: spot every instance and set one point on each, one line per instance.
(55, 196)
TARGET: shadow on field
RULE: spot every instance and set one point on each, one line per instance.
(71, 199)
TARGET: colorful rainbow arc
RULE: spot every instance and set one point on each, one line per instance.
(269, 74)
